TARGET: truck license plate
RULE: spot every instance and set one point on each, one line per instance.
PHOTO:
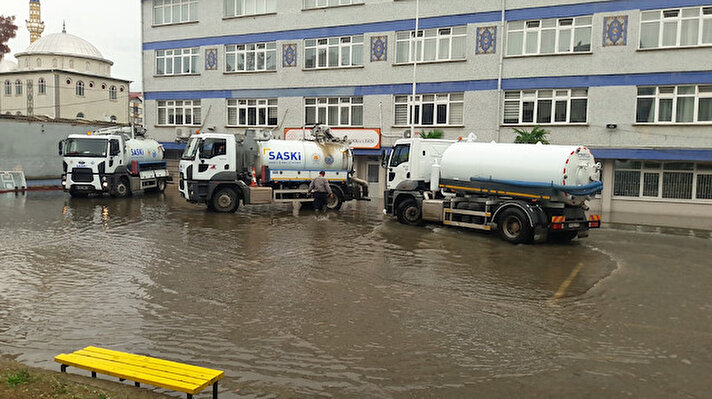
(574, 225)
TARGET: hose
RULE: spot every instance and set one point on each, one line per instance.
(587, 189)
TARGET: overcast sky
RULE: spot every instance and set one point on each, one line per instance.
(112, 26)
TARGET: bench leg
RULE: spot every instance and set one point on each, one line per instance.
(122, 379)
(93, 374)
(63, 368)
(137, 384)
(215, 390)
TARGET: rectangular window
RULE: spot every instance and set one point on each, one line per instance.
(432, 45)
(674, 104)
(668, 180)
(237, 8)
(251, 57)
(252, 112)
(333, 52)
(334, 111)
(177, 62)
(546, 107)
(549, 36)
(179, 112)
(308, 4)
(679, 27)
(444, 109)
(174, 11)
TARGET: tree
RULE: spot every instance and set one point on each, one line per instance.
(433, 134)
(537, 134)
(7, 31)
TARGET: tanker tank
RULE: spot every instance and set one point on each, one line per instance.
(304, 155)
(144, 150)
(570, 170)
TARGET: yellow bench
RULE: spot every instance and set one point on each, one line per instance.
(142, 369)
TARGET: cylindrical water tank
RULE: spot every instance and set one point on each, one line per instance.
(558, 165)
(304, 155)
(144, 150)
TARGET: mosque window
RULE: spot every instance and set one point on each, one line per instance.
(113, 118)
(18, 88)
(112, 93)
(69, 81)
(91, 85)
(80, 88)
(41, 86)
(8, 88)
(80, 115)
(103, 86)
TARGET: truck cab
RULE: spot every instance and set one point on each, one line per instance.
(210, 158)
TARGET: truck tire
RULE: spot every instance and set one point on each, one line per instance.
(334, 204)
(122, 188)
(513, 226)
(161, 185)
(225, 200)
(409, 212)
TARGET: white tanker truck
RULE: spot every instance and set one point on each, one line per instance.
(526, 192)
(116, 160)
(221, 169)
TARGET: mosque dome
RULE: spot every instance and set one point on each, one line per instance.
(7, 66)
(63, 43)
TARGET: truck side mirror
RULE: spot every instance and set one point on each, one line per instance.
(384, 158)
(59, 146)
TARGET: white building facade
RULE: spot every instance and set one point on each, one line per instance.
(631, 79)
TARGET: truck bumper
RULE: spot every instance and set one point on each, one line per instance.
(94, 186)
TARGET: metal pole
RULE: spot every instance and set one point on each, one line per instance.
(411, 105)
(500, 97)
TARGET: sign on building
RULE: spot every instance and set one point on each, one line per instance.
(12, 180)
(360, 138)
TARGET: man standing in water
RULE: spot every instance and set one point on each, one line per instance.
(320, 187)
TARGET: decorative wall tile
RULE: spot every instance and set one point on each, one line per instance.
(379, 48)
(486, 40)
(289, 55)
(615, 31)
(211, 59)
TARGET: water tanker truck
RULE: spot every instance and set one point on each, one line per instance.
(116, 160)
(526, 192)
(224, 169)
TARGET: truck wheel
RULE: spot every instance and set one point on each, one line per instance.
(514, 227)
(161, 185)
(225, 200)
(122, 190)
(409, 213)
(334, 204)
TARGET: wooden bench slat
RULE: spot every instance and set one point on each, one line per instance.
(151, 363)
(152, 360)
(114, 370)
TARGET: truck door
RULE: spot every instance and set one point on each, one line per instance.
(213, 158)
(399, 165)
(115, 158)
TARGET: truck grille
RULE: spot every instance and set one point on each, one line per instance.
(82, 175)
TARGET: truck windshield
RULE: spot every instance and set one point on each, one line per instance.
(86, 147)
(400, 154)
(191, 149)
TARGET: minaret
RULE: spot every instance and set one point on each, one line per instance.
(35, 24)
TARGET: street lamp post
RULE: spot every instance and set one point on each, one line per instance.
(415, 66)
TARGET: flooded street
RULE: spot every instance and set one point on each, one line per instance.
(354, 304)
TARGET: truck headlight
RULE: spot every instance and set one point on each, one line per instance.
(64, 183)
(105, 184)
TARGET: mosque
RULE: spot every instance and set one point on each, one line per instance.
(61, 76)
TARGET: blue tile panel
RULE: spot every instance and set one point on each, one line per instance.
(653, 154)
(486, 40)
(379, 48)
(425, 23)
(615, 31)
(549, 82)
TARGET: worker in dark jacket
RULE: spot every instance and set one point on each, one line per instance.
(320, 187)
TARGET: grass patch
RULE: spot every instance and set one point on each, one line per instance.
(20, 378)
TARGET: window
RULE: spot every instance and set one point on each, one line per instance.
(549, 36)
(663, 180)
(431, 45)
(80, 115)
(256, 112)
(80, 88)
(177, 62)
(567, 106)
(674, 104)
(401, 153)
(112, 93)
(8, 88)
(333, 52)
(334, 111)
(429, 109)
(41, 86)
(174, 11)
(18, 88)
(307, 4)
(180, 112)
(251, 57)
(680, 27)
(112, 118)
(236, 8)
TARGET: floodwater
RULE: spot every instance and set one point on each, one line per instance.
(353, 304)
